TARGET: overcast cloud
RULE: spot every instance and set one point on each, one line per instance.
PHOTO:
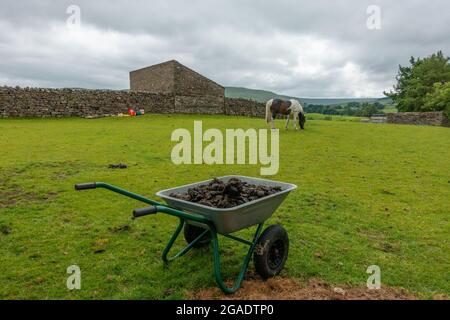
(301, 48)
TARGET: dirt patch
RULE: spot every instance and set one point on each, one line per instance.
(11, 193)
(5, 230)
(7, 198)
(19, 195)
(218, 194)
(99, 246)
(121, 228)
(290, 289)
(117, 166)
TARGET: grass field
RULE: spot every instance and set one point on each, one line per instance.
(368, 194)
(319, 116)
(390, 109)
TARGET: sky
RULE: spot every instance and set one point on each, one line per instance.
(346, 48)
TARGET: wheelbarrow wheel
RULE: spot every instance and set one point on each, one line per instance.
(192, 232)
(271, 251)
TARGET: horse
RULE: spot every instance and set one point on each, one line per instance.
(285, 107)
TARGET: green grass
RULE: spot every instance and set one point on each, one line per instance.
(318, 116)
(368, 194)
(390, 109)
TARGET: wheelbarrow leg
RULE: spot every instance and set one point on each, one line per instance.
(174, 238)
(172, 241)
(217, 267)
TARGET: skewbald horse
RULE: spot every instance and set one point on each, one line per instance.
(285, 107)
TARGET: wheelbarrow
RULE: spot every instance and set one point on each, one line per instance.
(202, 224)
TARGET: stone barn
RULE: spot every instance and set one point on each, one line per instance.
(191, 92)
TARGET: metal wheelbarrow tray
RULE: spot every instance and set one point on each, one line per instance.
(202, 224)
(229, 220)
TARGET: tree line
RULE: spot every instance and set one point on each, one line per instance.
(356, 109)
(424, 85)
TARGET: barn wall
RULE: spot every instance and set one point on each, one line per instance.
(158, 79)
(191, 83)
(195, 93)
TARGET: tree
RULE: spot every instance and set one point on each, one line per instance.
(416, 81)
(439, 98)
(354, 105)
(348, 110)
(378, 105)
(367, 110)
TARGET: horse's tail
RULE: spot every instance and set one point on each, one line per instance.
(301, 117)
(268, 113)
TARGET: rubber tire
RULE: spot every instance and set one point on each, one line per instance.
(265, 249)
(192, 232)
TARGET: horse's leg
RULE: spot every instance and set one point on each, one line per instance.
(287, 121)
(295, 120)
(273, 120)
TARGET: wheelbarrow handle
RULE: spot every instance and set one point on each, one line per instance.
(144, 211)
(85, 186)
(156, 206)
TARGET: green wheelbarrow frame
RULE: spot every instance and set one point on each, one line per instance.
(185, 217)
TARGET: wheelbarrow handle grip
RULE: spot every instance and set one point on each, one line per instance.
(85, 186)
(144, 211)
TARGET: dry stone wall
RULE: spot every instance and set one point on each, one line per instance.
(199, 104)
(244, 107)
(38, 102)
(438, 118)
(42, 102)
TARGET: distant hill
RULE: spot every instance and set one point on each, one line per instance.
(263, 96)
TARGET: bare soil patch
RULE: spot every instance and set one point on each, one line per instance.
(290, 289)
(16, 195)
